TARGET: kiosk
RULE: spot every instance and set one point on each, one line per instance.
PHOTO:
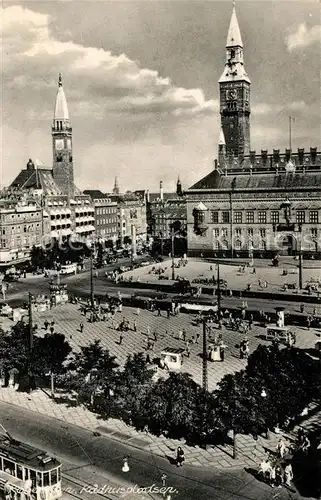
(171, 359)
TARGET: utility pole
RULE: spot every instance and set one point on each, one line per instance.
(300, 261)
(205, 378)
(218, 292)
(30, 344)
(173, 256)
(291, 119)
(92, 297)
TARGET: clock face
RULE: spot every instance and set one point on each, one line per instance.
(59, 144)
(231, 94)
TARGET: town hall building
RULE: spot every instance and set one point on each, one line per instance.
(251, 203)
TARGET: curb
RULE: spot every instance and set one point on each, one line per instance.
(136, 447)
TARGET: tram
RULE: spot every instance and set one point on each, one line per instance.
(27, 473)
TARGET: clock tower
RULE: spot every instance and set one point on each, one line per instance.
(63, 170)
(235, 95)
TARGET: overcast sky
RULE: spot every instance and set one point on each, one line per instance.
(140, 79)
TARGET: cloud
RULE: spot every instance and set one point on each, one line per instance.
(303, 37)
(33, 57)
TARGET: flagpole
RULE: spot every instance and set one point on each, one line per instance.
(290, 132)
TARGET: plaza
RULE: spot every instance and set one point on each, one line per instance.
(68, 317)
(237, 276)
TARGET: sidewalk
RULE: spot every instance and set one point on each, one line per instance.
(250, 452)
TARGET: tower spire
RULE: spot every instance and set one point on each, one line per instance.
(61, 108)
(116, 186)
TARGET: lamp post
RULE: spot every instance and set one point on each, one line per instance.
(264, 395)
(173, 256)
(300, 259)
(218, 291)
(92, 296)
(205, 378)
(31, 383)
(235, 450)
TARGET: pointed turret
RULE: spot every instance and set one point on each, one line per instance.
(235, 95)
(179, 190)
(61, 108)
(63, 170)
(116, 186)
(234, 38)
(221, 141)
(221, 149)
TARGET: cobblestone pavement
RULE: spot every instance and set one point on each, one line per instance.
(67, 319)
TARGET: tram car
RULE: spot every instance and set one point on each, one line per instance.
(27, 473)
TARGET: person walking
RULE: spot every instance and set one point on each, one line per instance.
(81, 327)
(135, 326)
(288, 474)
(138, 311)
(272, 476)
(302, 308)
(184, 335)
(281, 448)
(46, 324)
(51, 330)
(198, 335)
(158, 312)
(120, 339)
(278, 477)
(180, 457)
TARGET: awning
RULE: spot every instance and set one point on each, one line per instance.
(73, 202)
(61, 203)
(55, 203)
(54, 234)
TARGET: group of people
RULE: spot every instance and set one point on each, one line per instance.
(275, 474)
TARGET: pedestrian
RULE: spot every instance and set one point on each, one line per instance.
(180, 457)
(135, 326)
(272, 476)
(52, 323)
(148, 331)
(155, 336)
(125, 467)
(168, 313)
(52, 330)
(138, 311)
(308, 322)
(184, 335)
(120, 339)
(81, 327)
(288, 474)
(305, 444)
(222, 352)
(158, 312)
(265, 284)
(278, 477)
(120, 307)
(188, 351)
(198, 335)
(148, 361)
(302, 308)
(193, 339)
(281, 448)
(46, 324)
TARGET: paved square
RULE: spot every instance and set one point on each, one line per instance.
(68, 318)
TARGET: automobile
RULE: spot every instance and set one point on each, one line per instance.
(10, 278)
(145, 263)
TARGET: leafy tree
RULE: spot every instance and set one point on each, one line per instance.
(110, 244)
(51, 351)
(133, 384)
(14, 349)
(100, 254)
(38, 258)
(127, 240)
(95, 368)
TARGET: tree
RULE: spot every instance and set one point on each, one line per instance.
(51, 351)
(100, 254)
(127, 240)
(95, 370)
(14, 349)
(132, 386)
(38, 258)
(110, 244)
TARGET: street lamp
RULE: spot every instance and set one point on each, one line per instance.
(264, 396)
(92, 297)
(173, 256)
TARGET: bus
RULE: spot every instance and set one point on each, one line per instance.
(68, 269)
(27, 473)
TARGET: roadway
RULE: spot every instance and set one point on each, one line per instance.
(89, 460)
(80, 285)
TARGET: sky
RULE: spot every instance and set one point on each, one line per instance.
(141, 77)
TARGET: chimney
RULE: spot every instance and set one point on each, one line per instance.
(313, 154)
(161, 192)
(301, 155)
(264, 153)
(276, 155)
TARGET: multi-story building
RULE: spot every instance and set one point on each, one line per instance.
(70, 212)
(23, 224)
(106, 219)
(131, 216)
(168, 219)
(263, 203)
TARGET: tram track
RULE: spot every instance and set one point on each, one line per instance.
(78, 485)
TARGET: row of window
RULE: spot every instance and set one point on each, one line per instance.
(103, 211)
(60, 216)
(108, 230)
(38, 478)
(18, 241)
(238, 217)
(18, 229)
(238, 232)
(102, 222)
(28, 214)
